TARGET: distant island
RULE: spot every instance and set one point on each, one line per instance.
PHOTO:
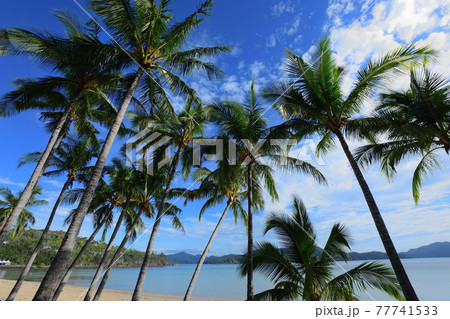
(438, 249)
(17, 250)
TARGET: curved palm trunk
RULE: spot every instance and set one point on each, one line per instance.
(61, 136)
(80, 254)
(3, 223)
(205, 253)
(38, 247)
(55, 272)
(38, 171)
(250, 296)
(116, 256)
(407, 288)
(148, 252)
(100, 267)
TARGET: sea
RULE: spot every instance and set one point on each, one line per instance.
(429, 276)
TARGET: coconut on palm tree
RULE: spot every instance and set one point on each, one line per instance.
(79, 72)
(300, 269)
(71, 158)
(257, 147)
(149, 37)
(416, 122)
(8, 200)
(313, 103)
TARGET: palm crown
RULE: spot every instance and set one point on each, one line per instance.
(416, 122)
(148, 35)
(313, 99)
(300, 268)
(81, 71)
(26, 217)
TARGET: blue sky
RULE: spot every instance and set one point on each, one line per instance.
(258, 32)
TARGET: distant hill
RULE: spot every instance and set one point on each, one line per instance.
(440, 249)
(185, 258)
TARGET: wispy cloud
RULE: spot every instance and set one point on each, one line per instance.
(283, 7)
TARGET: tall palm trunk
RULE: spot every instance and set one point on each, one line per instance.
(407, 288)
(250, 296)
(3, 223)
(61, 136)
(100, 267)
(38, 171)
(55, 272)
(148, 252)
(38, 247)
(116, 256)
(205, 252)
(80, 254)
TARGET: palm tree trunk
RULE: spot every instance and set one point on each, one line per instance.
(405, 284)
(61, 136)
(55, 272)
(205, 253)
(250, 296)
(38, 171)
(151, 242)
(3, 223)
(38, 247)
(80, 254)
(100, 267)
(116, 256)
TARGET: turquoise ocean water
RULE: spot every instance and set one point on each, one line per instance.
(430, 277)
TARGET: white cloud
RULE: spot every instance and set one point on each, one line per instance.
(338, 8)
(236, 51)
(256, 68)
(282, 7)
(271, 41)
(53, 182)
(288, 29)
(8, 181)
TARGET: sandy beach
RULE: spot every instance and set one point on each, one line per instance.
(73, 293)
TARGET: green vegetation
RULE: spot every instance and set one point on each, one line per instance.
(18, 249)
(300, 269)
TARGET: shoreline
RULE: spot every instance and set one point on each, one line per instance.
(20, 267)
(74, 293)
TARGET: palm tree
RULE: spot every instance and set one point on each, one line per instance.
(26, 217)
(300, 268)
(247, 128)
(149, 189)
(147, 36)
(180, 129)
(226, 182)
(122, 182)
(417, 122)
(313, 103)
(80, 71)
(71, 158)
(103, 204)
